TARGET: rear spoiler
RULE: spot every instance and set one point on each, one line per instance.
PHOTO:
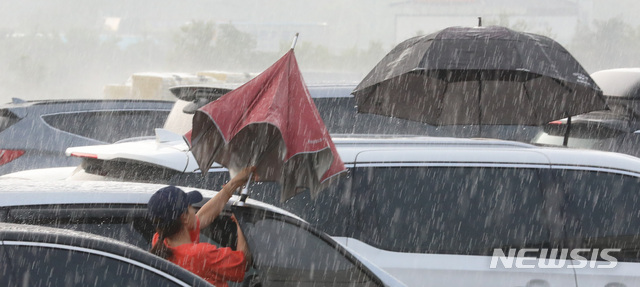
(199, 95)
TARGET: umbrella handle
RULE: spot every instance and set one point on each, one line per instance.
(245, 191)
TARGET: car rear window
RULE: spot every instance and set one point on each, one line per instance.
(108, 126)
(7, 119)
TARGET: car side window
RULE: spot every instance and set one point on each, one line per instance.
(44, 266)
(602, 210)
(286, 252)
(108, 126)
(449, 210)
(5, 272)
(127, 223)
(330, 211)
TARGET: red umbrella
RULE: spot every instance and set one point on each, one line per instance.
(272, 123)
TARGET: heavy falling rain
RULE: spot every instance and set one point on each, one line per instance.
(328, 143)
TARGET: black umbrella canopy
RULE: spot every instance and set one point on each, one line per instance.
(482, 75)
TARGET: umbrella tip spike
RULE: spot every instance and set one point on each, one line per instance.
(295, 40)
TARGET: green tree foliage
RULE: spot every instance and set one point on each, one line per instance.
(56, 64)
(319, 57)
(520, 25)
(606, 44)
(207, 45)
(194, 44)
(234, 47)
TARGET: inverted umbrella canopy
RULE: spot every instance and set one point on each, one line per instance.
(272, 123)
(478, 76)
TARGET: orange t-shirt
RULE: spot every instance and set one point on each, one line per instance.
(216, 265)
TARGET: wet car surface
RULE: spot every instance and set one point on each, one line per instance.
(44, 256)
(286, 250)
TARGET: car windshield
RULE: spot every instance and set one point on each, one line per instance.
(298, 254)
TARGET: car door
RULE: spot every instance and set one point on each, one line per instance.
(47, 264)
(443, 218)
(602, 211)
(289, 252)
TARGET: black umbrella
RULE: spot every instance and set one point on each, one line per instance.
(479, 76)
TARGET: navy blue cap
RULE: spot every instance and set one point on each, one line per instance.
(168, 203)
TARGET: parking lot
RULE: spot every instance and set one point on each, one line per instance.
(395, 143)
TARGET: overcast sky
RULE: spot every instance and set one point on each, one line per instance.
(337, 25)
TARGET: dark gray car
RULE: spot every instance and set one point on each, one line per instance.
(35, 134)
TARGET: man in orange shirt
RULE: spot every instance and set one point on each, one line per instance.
(178, 227)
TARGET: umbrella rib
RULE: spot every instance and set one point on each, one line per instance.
(526, 94)
(479, 104)
(561, 83)
(569, 90)
(442, 96)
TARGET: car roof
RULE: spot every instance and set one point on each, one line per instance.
(331, 91)
(76, 239)
(621, 88)
(354, 149)
(19, 107)
(189, 92)
(16, 102)
(621, 82)
(367, 149)
(20, 192)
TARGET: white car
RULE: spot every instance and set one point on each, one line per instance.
(437, 210)
(286, 250)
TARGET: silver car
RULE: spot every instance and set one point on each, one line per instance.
(35, 134)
